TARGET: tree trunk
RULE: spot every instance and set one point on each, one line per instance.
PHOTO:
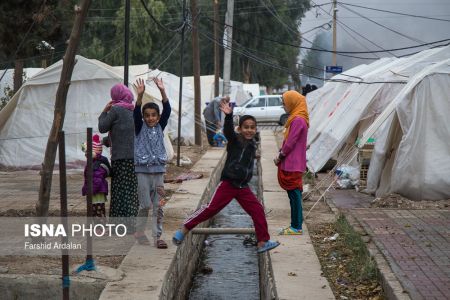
(18, 74)
(196, 69)
(246, 71)
(60, 109)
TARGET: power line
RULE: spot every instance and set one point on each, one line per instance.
(409, 54)
(168, 56)
(381, 25)
(273, 57)
(331, 51)
(275, 14)
(359, 42)
(354, 31)
(286, 69)
(158, 23)
(169, 45)
(395, 12)
(23, 39)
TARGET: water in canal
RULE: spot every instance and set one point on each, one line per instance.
(228, 270)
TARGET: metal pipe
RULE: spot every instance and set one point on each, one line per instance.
(127, 42)
(63, 201)
(223, 231)
(89, 190)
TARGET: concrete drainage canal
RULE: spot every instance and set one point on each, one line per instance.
(229, 263)
(221, 266)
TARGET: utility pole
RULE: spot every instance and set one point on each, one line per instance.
(127, 41)
(334, 31)
(216, 48)
(228, 43)
(180, 99)
(196, 69)
(60, 109)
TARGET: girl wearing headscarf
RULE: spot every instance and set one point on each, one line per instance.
(291, 160)
(117, 119)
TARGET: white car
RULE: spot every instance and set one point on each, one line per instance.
(266, 108)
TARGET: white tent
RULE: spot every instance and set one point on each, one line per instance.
(252, 89)
(412, 157)
(323, 100)
(172, 85)
(340, 119)
(8, 78)
(237, 94)
(138, 71)
(26, 120)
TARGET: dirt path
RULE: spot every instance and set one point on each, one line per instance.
(18, 196)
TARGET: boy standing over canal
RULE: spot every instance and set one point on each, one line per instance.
(237, 172)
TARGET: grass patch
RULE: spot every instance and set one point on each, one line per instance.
(308, 178)
(361, 265)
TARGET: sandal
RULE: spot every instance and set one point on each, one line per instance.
(142, 239)
(290, 231)
(178, 238)
(161, 244)
(269, 245)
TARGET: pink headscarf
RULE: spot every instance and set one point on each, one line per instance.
(122, 96)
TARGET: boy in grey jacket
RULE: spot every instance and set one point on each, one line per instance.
(150, 160)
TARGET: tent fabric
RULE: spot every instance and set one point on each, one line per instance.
(412, 157)
(349, 107)
(26, 120)
(237, 93)
(172, 85)
(8, 78)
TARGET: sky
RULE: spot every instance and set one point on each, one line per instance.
(417, 29)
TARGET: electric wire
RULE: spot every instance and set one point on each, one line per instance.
(383, 26)
(158, 23)
(354, 31)
(283, 68)
(24, 38)
(273, 57)
(331, 51)
(395, 12)
(356, 40)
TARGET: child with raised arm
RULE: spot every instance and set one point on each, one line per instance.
(150, 160)
(237, 172)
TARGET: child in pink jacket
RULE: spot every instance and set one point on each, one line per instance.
(291, 160)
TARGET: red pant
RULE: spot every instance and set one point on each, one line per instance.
(225, 192)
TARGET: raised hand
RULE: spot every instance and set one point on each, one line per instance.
(140, 87)
(108, 107)
(225, 107)
(159, 83)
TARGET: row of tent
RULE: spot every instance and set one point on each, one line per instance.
(26, 120)
(400, 104)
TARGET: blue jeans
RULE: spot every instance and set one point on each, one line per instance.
(295, 199)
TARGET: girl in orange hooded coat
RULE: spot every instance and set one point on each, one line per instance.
(291, 160)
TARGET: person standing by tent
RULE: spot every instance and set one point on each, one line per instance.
(291, 160)
(117, 119)
(212, 115)
(150, 158)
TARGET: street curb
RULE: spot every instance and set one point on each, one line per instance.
(392, 288)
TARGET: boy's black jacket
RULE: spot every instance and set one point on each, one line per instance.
(241, 153)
